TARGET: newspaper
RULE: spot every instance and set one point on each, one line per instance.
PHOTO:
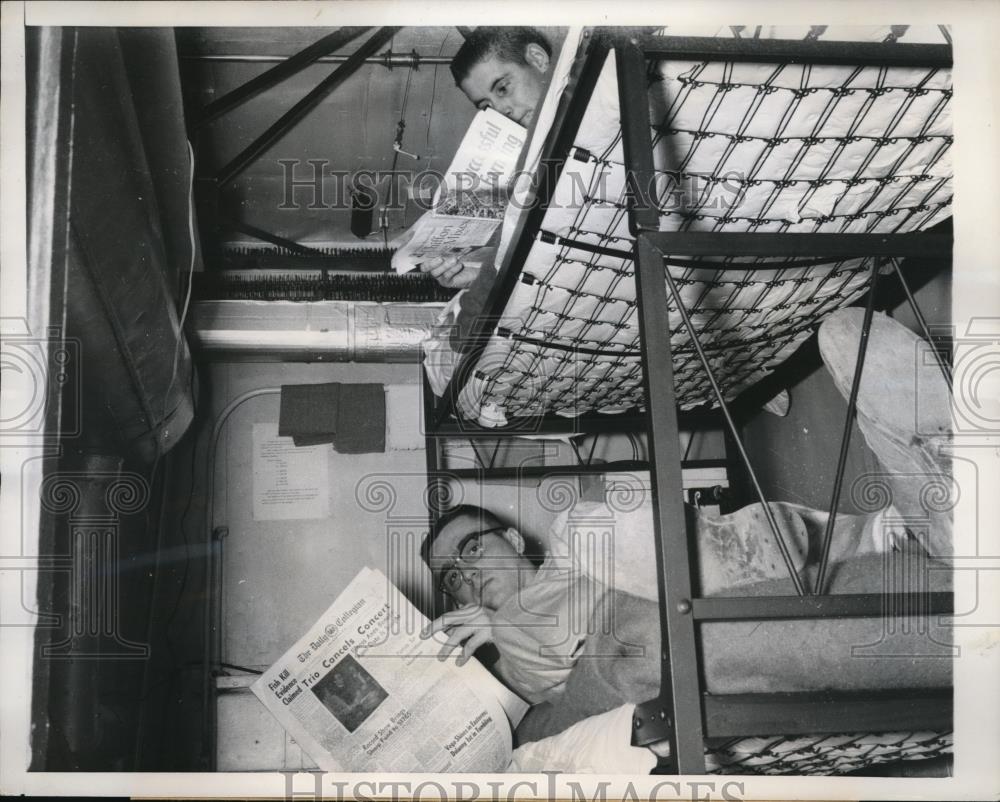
(361, 691)
(470, 203)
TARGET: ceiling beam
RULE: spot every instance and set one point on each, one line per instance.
(386, 59)
(295, 114)
(287, 68)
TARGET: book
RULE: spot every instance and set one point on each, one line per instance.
(361, 691)
(470, 202)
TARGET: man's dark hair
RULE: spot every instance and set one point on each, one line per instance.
(486, 519)
(506, 42)
(470, 510)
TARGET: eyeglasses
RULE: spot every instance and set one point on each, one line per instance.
(471, 550)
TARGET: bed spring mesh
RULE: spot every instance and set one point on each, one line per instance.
(738, 147)
(823, 754)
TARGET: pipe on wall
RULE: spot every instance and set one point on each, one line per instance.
(303, 331)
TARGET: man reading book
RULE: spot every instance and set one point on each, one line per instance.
(506, 69)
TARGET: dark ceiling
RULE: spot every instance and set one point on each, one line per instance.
(351, 129)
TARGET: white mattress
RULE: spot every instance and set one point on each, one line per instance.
(754, 147)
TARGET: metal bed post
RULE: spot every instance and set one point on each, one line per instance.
(745, 714)
(802, 51)
(676, 713)
(435, 481)
(845, 441)
(921, 322)
(649, 266)
(437, 494)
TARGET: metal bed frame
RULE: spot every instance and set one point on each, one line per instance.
(683, 714)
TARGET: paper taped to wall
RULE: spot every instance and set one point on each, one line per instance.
(289, 482)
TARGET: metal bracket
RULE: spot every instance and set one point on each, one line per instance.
(651, 723)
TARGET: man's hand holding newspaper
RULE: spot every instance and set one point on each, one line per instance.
(362, 691)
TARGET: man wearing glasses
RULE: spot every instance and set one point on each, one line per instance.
(465, 536)
(543, 616)
(548, 619)
(479, 564)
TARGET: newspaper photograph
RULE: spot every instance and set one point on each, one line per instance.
(360, 694)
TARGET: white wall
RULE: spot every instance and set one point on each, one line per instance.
(278, 576)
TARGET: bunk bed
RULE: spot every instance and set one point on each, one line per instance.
(732, 192)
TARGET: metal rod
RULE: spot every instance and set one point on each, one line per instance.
(386, 59)
(554, 239)
(569, 113)
(706, 463)
(274, 239)
(437, 479)
(211, 622)
(287, 68)
(798, 51)
(704, 264)
(761, 714)
(640, 173)
(679, 688)
(431, 451)
(846, 605)
(835, 246)
(479, 457)
(922, 323)
(575, 348)
(552, 424)
(290, 118)
(845, 441)
(770, 244)
(589, 422)
(772, 523)
(678, 704)
(733, 345)
(543, 471)
(264, 263)
(735, 471)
